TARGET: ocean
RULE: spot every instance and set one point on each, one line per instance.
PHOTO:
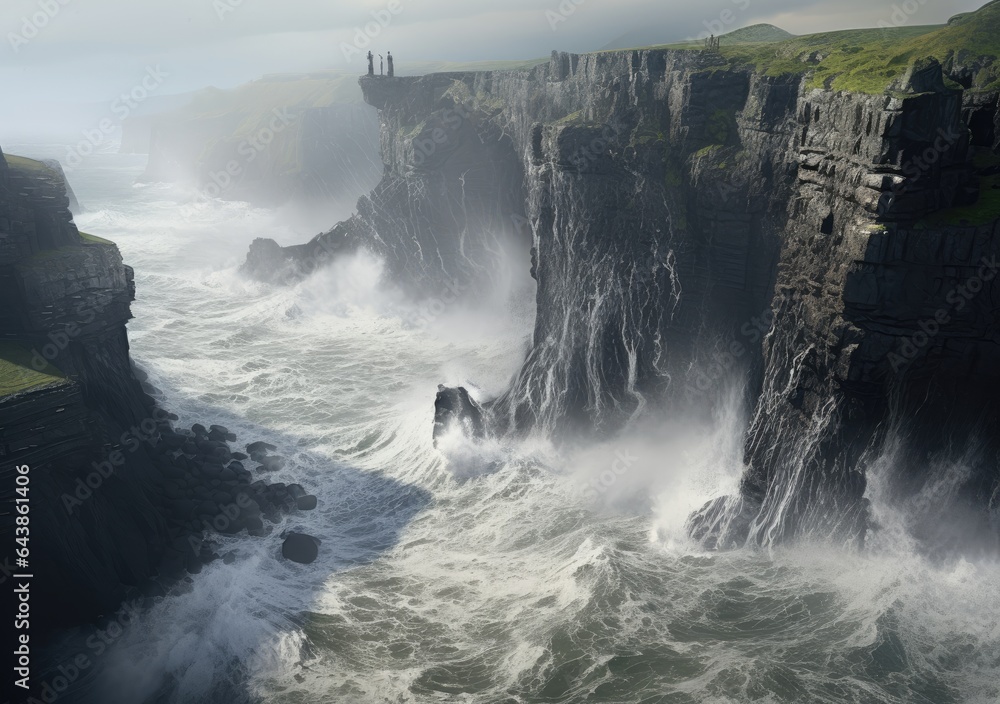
(509, 571)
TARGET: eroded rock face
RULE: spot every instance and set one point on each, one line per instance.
(119, 496)
(689, 225)
(443, 215)
(454, 409)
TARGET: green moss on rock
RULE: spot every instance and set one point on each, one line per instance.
(94, 239)
(17, 375)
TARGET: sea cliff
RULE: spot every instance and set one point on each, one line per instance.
(694, 217)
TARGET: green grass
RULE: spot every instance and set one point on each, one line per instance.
(753, 34)
(574, 118)
(17, 375)
(30, 166)
(869, 60)
(707, 151)
(757, 34)
(986, 209)
(861, 61)
(94, 239)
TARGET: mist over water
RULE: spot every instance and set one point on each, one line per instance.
(504, 571)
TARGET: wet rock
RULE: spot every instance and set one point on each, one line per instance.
(261, 447)
(454, 407)
(300, 547)
(273, 463)
(254, 526)
(306, 503)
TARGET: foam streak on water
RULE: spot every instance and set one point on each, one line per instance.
(507, 572)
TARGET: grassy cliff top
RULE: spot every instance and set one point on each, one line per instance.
(94, 239)
(17, 374)
(315, 89)
(752, 34)
(869, 60)
(30, 166)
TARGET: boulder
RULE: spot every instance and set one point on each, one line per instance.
(306, 503)
(273, 463)
(301, 548)
(454, 407)
(260, 446)
(254, 526)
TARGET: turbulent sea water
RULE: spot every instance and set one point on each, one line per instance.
(509, 572)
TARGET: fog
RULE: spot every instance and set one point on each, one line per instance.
(65, 61)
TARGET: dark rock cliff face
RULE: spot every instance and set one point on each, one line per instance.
(121, 503)
(66, 303)
(690, 225)
(447, 210)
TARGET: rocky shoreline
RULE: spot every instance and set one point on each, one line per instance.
(124, 503)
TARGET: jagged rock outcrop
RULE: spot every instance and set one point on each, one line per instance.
(455, 408)
(446, 210)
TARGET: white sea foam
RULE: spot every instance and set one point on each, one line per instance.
(480, 572)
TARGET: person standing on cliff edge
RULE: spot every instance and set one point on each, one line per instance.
(388, 58)
(381, 65)
(371, 64)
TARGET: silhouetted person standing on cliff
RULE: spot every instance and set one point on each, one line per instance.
(388, 58)
(381, 65)
(371, 64)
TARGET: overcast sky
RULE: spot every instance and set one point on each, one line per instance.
(68, 51)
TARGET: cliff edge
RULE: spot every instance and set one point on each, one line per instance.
(815, 218)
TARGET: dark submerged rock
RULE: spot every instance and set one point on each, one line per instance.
(301, 548)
